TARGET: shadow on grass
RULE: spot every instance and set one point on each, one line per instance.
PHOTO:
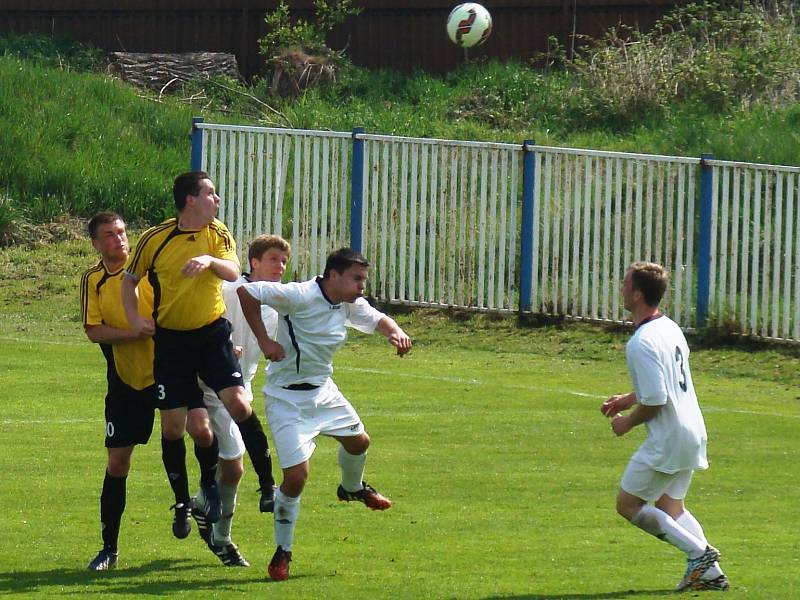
(598, 596)
(135, 580)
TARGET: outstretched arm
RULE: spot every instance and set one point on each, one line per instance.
(398, 338)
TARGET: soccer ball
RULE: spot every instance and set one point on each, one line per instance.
(469, 25)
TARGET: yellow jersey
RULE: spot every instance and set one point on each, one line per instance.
(182, 303)
(101, 304)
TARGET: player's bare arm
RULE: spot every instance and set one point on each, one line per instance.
(622, 424)
(224, 269)
(138, 325)
(398, 338)
(105, 334)
(251, 309)
(618, 403)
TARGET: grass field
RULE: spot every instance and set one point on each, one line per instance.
(487, 436)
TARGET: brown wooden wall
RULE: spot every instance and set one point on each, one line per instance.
(388, 33)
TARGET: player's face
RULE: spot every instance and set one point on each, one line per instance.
(349, 285)
(271, 265)
(206, 203)
(628, 293)
(112, 241)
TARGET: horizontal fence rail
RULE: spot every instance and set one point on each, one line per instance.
(519, 227)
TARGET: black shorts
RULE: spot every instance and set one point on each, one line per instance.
(183, 356)
(129, 414)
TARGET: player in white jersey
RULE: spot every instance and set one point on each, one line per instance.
(661, 470)
(267, 257)
(302, 401)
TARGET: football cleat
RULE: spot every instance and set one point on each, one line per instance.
(212, 508)
(229, 555)
(368, 495)
(104, 561)
(267, 502)
(696, 567)
(203, 528)
(278, 568)
(181, 523)
(720, 583)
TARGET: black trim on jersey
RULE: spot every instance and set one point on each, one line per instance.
(648, 319)
(85, 290)
(324, 295)
(152, 276)
(223, 232)
(294, 342)
(146, 237)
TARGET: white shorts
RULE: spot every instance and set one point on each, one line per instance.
(296, 417)
(644, 482)
(229, 439)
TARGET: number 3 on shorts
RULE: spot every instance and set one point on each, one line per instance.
(161, 391)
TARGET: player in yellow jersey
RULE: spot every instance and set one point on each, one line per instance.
(130, 401)
(186, 259)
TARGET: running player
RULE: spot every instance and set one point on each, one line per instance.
(664, 399)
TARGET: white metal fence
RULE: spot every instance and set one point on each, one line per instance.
(754, 277)
(291, 182)
(442, 222)
(595, 213)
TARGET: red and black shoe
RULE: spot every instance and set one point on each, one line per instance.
(278, 568)
(368, 495)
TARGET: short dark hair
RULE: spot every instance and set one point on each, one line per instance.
(101, 218)
(259, 245)
(342, 259)
(187, 184)
(651, 279)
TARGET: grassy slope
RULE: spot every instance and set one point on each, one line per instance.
(487, 436)
(75, 142)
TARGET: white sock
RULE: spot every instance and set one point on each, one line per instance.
(287, 509)
(221, 530)
(658, 523)
(352, 469)
(692, 525)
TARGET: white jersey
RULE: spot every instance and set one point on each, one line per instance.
(658, 361)
(242, 334)
(310, 328)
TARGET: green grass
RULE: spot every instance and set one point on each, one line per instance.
(487, 436)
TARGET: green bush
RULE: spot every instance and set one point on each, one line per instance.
(53, 51)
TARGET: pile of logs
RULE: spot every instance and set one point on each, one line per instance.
(167, 72)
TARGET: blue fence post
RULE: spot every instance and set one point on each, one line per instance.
(196, 162)
(704, 235)
(356, 190)
(526, 242)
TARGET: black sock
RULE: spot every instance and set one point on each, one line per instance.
(207, 459)
(258, 449)
(173, 455)
(112, 505)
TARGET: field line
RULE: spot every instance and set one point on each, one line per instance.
(533, 388)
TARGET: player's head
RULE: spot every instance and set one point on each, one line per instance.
(195, 190)
(346, 274)
(644, 282)
(268, 256)
(109, 237)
